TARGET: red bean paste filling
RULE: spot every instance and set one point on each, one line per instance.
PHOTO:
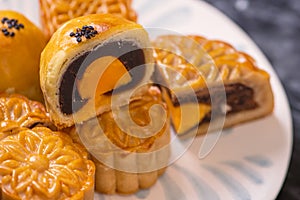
(128, 53)
(238, 96)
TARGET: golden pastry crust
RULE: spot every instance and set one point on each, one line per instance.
(63, 50)
(223, 65)
(20, 49)
(17, 111)
(119, 168)
(226, 64)
(139, 111)
(54, 13)
(41, 164)
(228, 60)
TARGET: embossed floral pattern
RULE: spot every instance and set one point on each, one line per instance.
(56, 12)
(107, 132)
(43, 164)
(222, 62)
(17, 111)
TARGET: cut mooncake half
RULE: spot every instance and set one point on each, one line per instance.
(133, 157)
(54, 13)
(42, 164)
(225, 82)
(87, 61)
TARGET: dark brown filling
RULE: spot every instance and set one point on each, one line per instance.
(129, 54)
(238, 97)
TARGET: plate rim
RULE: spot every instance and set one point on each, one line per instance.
(252, 45)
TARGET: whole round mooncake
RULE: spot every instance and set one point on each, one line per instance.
(42, 164)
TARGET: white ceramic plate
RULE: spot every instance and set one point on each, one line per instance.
(249, 161)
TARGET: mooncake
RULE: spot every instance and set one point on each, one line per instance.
(88, 60)
(217, 74)
(17, 111)
(54, 13)
(127, 161)
(21, 44)
(40, 163)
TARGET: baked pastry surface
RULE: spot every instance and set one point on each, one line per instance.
(217, 73)
(17, 111)
(54, 13)
(42, 164)
(87, 60)
(126, 162)
(21, 43)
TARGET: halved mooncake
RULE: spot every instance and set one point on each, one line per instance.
(42, 164)
(224, 81)
(87, 60)
(54, 13)
(131, 157)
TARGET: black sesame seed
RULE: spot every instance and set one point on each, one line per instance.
(3, 20)
(6, 33)
(21, 25)
(78, 39)
(17, 26)
(9, 25)
(13, 22)
(4, 30)
(86, 31)
(12, 34)
(78, 34)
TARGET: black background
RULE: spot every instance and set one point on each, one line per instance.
(274, 25)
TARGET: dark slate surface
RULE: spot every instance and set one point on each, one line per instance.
(275, 27)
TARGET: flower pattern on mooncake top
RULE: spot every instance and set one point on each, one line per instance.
(139, 112)
(54, 13)
(39, 163)
(16, 111)
(202, 60)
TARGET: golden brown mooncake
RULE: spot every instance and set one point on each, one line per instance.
(79, 73)
(54, 13)
(42, 164)
(125, 162)
(217, 73)
(17, 111)
(21, 44)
